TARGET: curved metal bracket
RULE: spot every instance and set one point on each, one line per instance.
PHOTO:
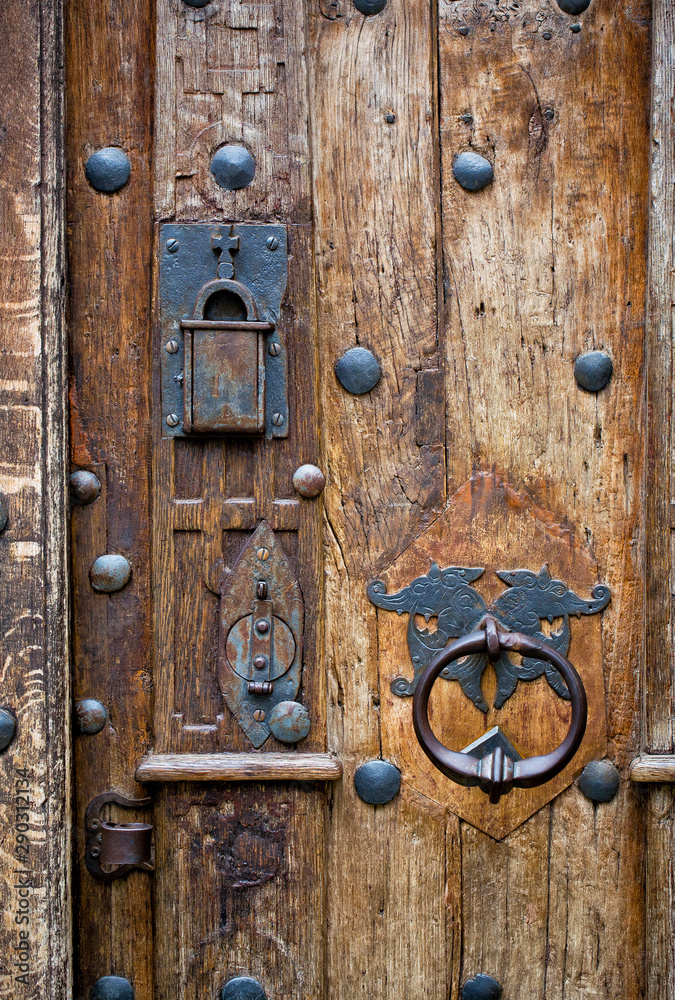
(109, 843)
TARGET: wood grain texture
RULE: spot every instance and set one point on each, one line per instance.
(264, 766)
(109, 59)
(653, 768)
(35, 774)
(657, 728)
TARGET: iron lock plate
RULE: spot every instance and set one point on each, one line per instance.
(239, 376)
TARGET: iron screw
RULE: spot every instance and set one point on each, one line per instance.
(95, 852)
(263, 554)
(172, 347)
(95, 823)
(272, 243)
(172, 420)
(259, 715)
(172, 245)
(278, 419)
(274, 349)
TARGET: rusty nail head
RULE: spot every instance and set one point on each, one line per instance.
(84, 487)
(7, 728)
(172, 245)
(172, 420)
(262, 625)
(547, 35)
(4, 513)
(389, 117)
(463, 30)
(289, 721)
(263, 554)
(259, 715)
(108, 169)
(274, 349)
(91, 716)
(259, 662)
(172, 347)
(112, 988)
(278, 419)
(109, 573)
(272, 243)
(549, 114)
(309, 480)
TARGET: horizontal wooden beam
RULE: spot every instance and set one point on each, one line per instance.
(239, 767)
(653, 768)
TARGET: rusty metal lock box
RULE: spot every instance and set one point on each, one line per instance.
(222, 359)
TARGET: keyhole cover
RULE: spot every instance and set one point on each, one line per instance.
(238, 648)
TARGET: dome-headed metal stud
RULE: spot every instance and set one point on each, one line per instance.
(289, 721)
(242, 988)
(358, 371)
(472, 171)
(196, 3)
(112, 988)
(370, 6)
(110, 573)
(233, 167)
(4, 513)
(84, 487)
(309, 480)
(7, 728)
(91, 716)
(481, 987)
(108, 169)
(599, 781)
(377, 782)
(593, 370)
(573, 6)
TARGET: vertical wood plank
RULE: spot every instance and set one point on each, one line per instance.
(35, 774)
(109, 59)
(657, 729)
(375, 196)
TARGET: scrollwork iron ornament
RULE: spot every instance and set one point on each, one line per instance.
(448, 596)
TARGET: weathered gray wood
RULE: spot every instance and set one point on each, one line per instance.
(34, 680)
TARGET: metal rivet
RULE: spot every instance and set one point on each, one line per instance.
(390, 117)
(463, 30)
(466, 118)
(172, 347)
(197, 3)
(7, 728)
(278, 419)
(110, 573)
(172, 420)
(261, 590)
(576, 28)
(289, 721)
(262, 625)
(259, 662)
(4, 513)
(377, 782)
(358, 371)
(481, 987)
(272, 243)
(108, 169)
(263, 554)
(574, 6)
(91, 716)
(172, 245)
(593, 370)
(112, 988)
(309, 480)
(547, 35)
(259, 715)
(599, 781)
(84, 487)
(549, 114)
(243, 988)
(370, 6)
(233, 167)
(472, 171)
(274, 349)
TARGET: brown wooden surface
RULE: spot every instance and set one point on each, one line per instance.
(265, 766)
(35, 771)
(109, 59)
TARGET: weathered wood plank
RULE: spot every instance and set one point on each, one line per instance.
(375, 196)
(263, 766)
(35, 774)
(109, 63)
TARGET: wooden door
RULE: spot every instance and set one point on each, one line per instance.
(464, 438)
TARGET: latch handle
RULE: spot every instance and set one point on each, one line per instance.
(496, 774)
(126, 845)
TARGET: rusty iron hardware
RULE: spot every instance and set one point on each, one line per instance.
(260, 647)
(123, 845)
(496, 773)
(223, 364)
(447, 595)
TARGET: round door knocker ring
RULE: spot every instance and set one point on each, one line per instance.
(497, 774)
